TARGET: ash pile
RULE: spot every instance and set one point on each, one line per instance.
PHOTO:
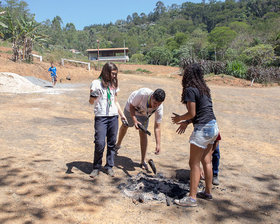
(144, 187)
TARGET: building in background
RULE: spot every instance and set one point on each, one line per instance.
(108, 54)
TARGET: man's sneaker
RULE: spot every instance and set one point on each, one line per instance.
(186, 202)
(117, 148)
(110, 172)
(215, 180)
(204, 195)
(94, 173)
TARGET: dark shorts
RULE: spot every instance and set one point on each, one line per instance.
(142, 119)
(54, 78)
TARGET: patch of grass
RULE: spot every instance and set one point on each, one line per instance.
(137, 71)
(143, 70)
(128, 71)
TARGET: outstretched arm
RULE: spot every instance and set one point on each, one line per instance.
(187, 116)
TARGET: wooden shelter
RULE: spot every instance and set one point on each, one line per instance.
(108, 54)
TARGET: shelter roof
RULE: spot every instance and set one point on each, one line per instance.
(108, 49)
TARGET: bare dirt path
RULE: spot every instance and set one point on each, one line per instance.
(46, 155)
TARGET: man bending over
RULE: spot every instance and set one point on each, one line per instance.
(140, 105)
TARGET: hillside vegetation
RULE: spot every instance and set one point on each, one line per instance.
(244, 35)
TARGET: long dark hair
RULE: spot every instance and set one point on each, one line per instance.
(193, 77)
(106, 77)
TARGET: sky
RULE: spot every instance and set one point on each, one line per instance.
(88, 12)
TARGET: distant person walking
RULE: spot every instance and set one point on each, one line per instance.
(52, 69)
(103, 95)
(197, 98)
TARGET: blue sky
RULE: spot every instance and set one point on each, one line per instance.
(87, 12)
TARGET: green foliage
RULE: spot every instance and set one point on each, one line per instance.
(143, 70)
(260, 55)
(137, 71)
(239, 27)
(237, 69)
(210, 30)
(222, 37)
(138, 58)
(159, 56)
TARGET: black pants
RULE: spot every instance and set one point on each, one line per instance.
(105, 127)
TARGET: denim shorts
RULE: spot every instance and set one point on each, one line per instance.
(142, 119)
(204, 134)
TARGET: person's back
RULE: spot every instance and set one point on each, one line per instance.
(204, 108)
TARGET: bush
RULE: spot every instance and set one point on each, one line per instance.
(259, 55)
(264, 75)
(237, 69)
(208, 66)
(159, 56)
(137, 58)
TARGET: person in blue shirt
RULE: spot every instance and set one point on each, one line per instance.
(52, 69)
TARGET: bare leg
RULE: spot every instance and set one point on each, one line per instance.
(143, 145)
(195, 158)
(122, 132)
(207, 167)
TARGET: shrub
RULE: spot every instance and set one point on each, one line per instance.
(264, 75)
(208, 66)
(137, 58)
(259, 55)
(237, 69)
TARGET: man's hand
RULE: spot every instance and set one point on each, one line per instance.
(157, 151)
(136, 122)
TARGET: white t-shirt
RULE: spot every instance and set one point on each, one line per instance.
(139, 99)
(101, 104)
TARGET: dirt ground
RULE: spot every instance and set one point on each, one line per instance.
(46, 152)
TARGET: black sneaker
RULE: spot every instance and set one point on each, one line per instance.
(215, 180)
(117, 148)
(110, 172)
(204, 195)
(94, 173)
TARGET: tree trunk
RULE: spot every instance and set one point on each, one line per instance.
(15, 51)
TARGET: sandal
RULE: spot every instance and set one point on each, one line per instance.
(144, 166)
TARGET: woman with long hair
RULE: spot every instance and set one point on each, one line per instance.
(197, 98)
(103, 95)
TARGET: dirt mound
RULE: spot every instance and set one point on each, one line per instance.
(13, 83)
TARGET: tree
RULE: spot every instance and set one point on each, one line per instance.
(260, 55)
(22, 33)
(221, 37)
(159, 56)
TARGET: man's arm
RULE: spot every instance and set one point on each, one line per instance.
(132, 113)
(157, 131)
